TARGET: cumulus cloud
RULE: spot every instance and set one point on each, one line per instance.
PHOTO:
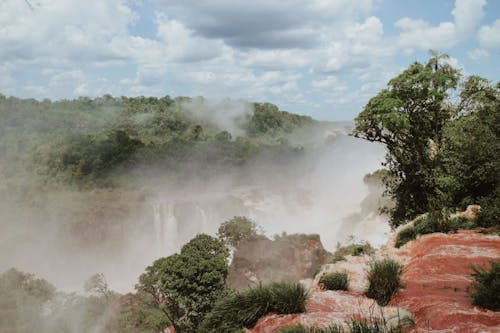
(489, 35)
(419, 34)
(266, 24)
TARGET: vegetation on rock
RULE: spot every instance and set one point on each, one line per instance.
(486, 286)
(384, 280)
(242, 309)
(335, 281)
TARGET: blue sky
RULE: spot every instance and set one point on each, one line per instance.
(324, 58)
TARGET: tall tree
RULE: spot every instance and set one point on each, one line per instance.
(185, 285)
(408, 118)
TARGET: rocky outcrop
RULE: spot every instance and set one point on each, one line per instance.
(330, 307)
(437, 277)
(286, 258)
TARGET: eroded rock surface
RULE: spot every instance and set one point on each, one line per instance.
(326, 308)
(436, 279)
(289, 258)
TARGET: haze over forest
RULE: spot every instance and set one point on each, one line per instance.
(161, 162)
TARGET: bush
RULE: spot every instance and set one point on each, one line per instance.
(238, 229)
(384, 280)
(433, 222)
(486, 287)
(351, 250)
(405, 235)
(335, 281)
(489, 214)
(238, 310)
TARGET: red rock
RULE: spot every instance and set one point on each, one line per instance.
(436, 279)
(326, 308)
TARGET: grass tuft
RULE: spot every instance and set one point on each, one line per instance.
(384, 278)
(335, 281)
(238, 310)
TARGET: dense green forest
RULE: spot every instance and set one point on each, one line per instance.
(88, 143)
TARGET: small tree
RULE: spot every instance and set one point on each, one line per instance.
(237, 229)
(185, 285)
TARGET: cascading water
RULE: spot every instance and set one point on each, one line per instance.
(165, 227)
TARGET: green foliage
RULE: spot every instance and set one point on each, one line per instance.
(351, 250)
(185, 286)
(373, 325)
(432, 222)
(408, 118)
(268, 120)
(84, 142)
(297, 239)
(489, 214)
(31, 304)
(335, 281)
(486, 287)
(384, 280)
(238, 310)
(238, 229)
(22, 296)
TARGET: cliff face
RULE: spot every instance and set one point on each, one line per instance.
(290, 258)
(436, 277)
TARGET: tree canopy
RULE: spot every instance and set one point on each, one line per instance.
(186, 285)
(440, 149)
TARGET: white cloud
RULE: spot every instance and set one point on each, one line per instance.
(478, 54)
(489, 35)
(419, 34)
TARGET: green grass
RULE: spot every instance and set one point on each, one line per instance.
(486, 287)
(374, 325)
(431, 223)
(351, 250)
(243, 309)
(384, 278)
(335, 281)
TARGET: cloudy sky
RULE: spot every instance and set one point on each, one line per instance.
(325, 58)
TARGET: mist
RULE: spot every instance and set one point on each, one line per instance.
(66, 236)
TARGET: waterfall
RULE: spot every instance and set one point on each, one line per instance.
(204, 225)
(165, 227)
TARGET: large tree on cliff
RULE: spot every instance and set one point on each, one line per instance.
(408, 117)
(185, 285)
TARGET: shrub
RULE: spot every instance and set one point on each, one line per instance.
(298, 239)
(335, 281)
(489, 214)
(433, 222)
(243, 309)
(354, 250)
(238, 229)
(384, 278)
(405, 235)
(486, 287)
(351, 250)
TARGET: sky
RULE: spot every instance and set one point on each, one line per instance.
(324, 58)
